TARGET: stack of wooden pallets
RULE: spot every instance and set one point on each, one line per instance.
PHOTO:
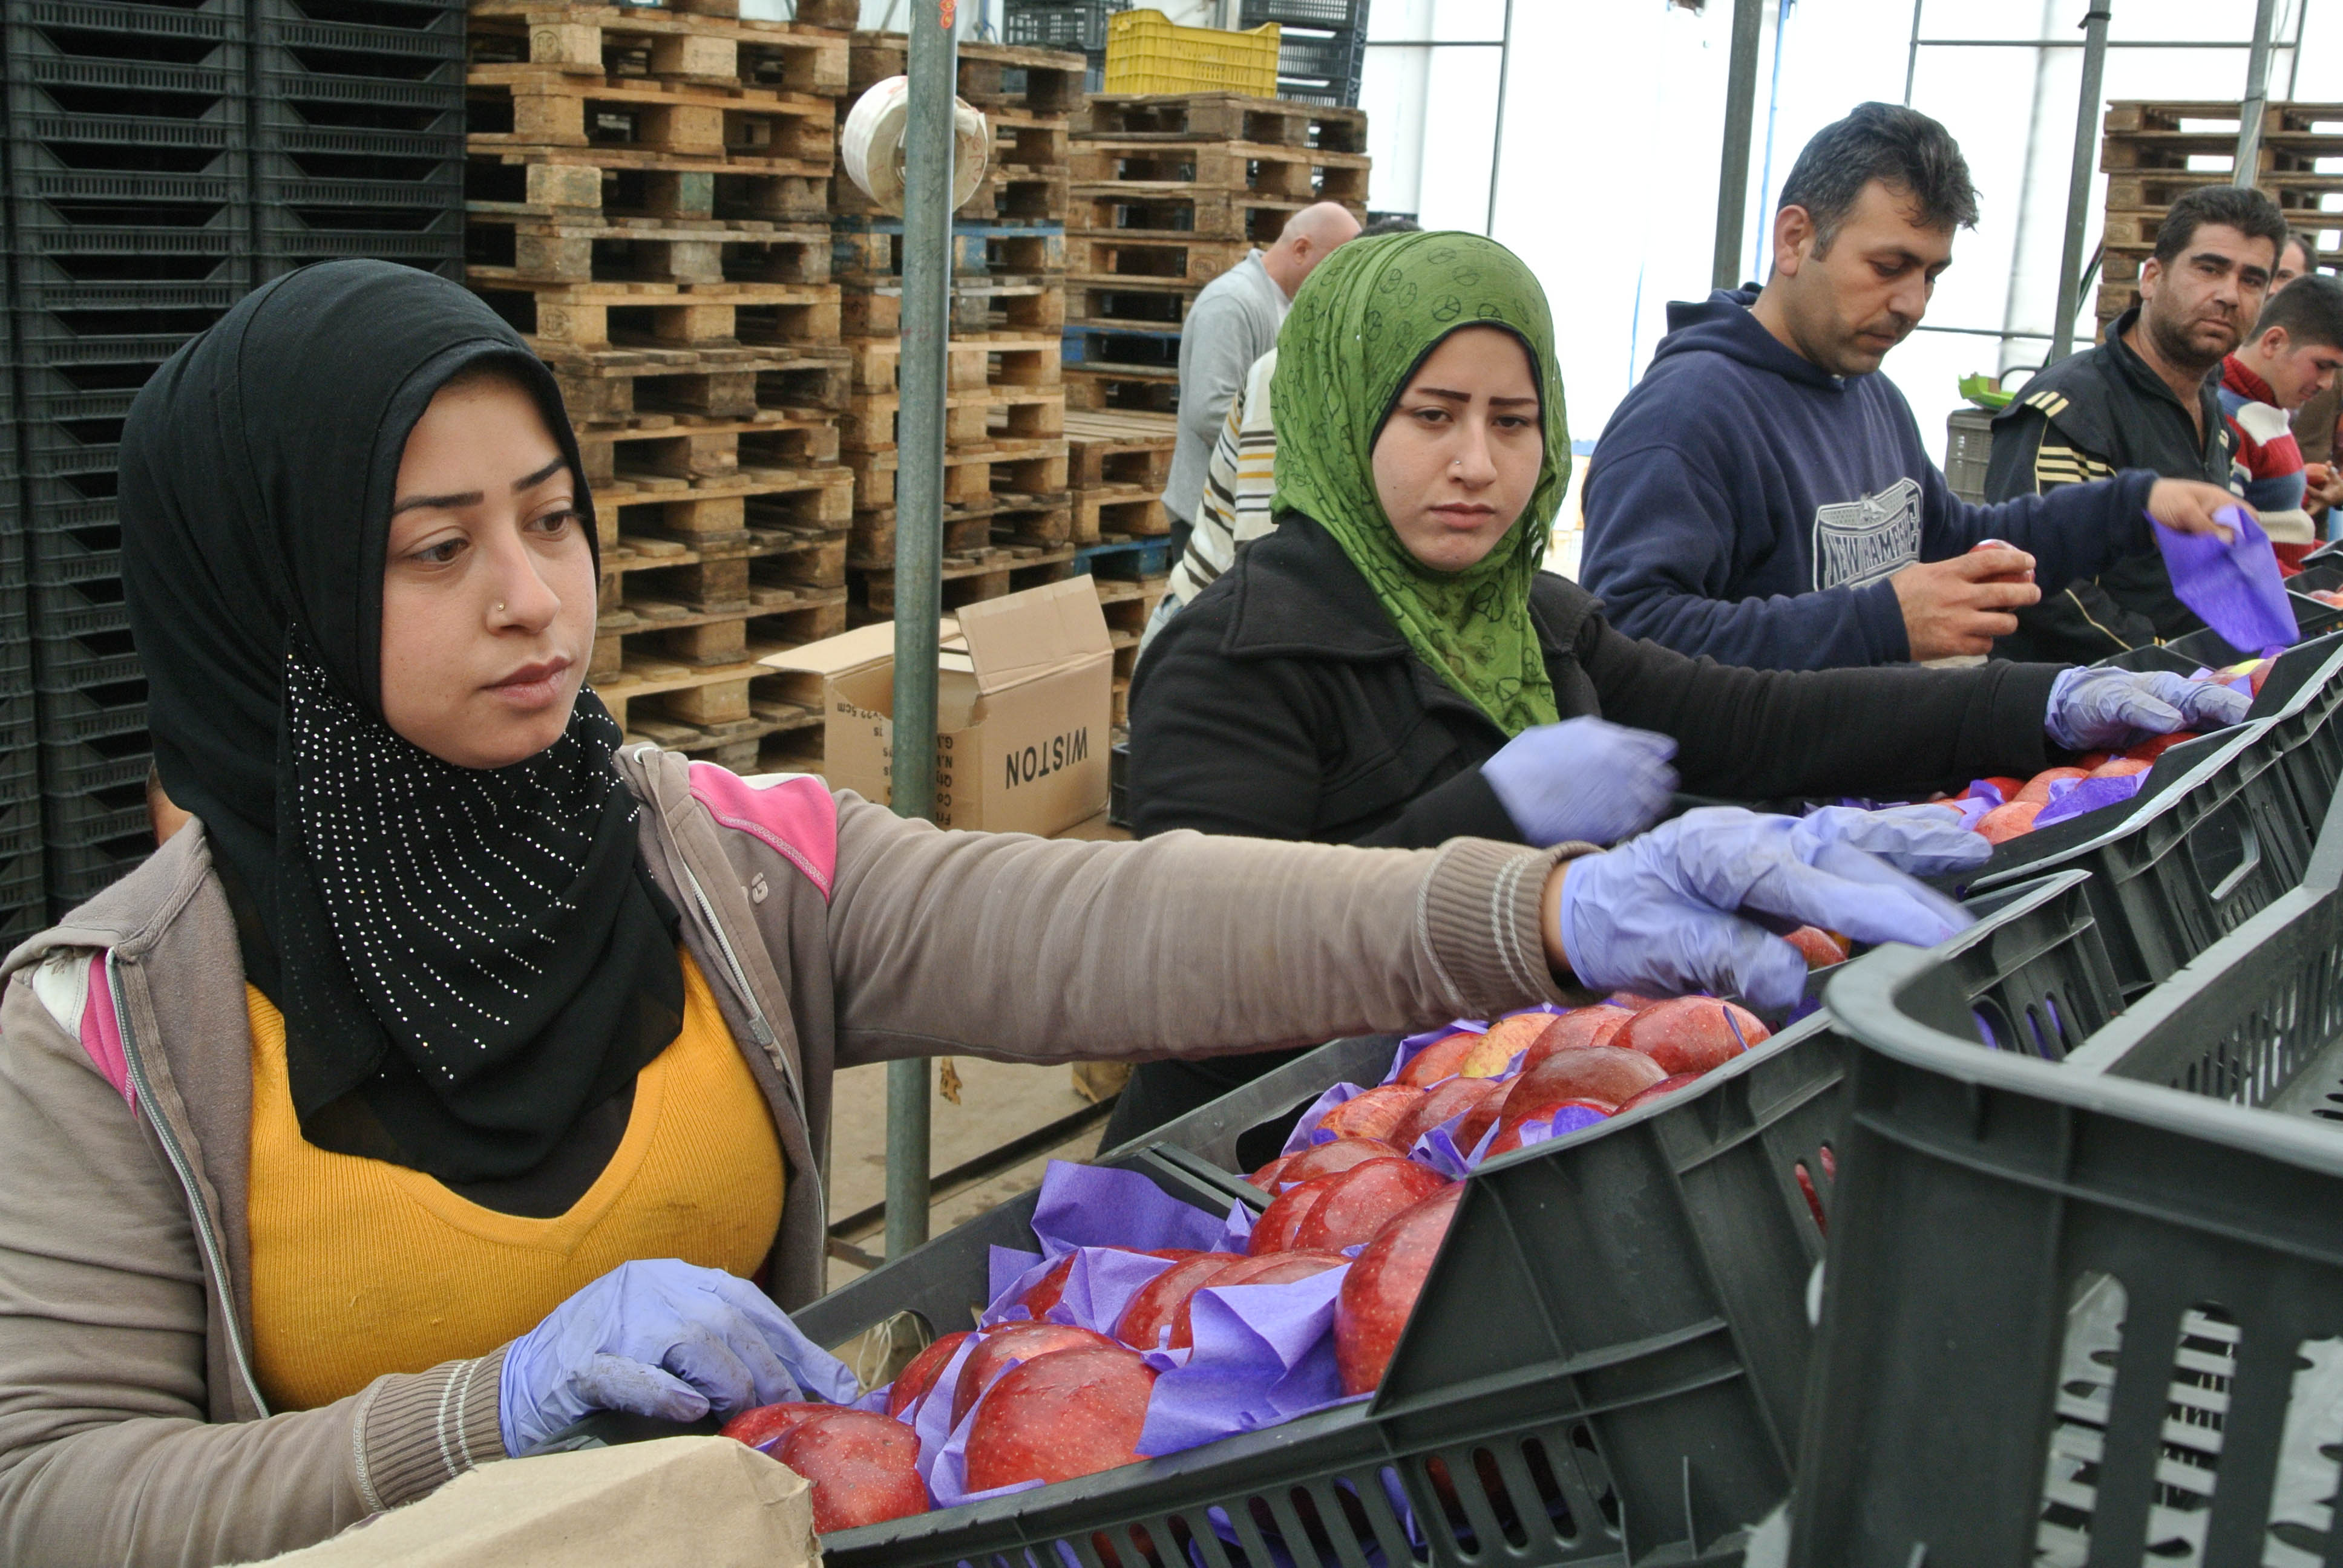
(1170, 191)
(649, 194)
(2153, 151)
(1119, 463)
(1008, 520)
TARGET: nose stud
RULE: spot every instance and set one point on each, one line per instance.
(500, 604)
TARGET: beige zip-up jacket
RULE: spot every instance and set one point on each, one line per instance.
(831, 932)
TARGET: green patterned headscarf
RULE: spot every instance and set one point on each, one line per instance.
(1362, 323)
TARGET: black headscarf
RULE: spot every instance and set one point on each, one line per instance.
(466, 960)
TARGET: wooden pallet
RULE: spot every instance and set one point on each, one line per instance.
(1012, 486)
(868, 252)
(727, 516)
(2159, 189)
(1122, 388)
(1130, 303)
(1223, 117)
(661, 456)
(992, 572)
(870, 420)
(979, 359)
(1098, 259)
(617, 185)
(966, 527)
(2134, 115)
(2134, 229)
(843, 15)
(510, 243)
(585, 319)
(714, 697)
(981, 305)
(638, 388)
(2144, 151)
(1119, 449)
(1175, 211)
(611, 43)
(543, 107)
(1280, 174)
(1130, 510)
(991, 76)
(968, 479)
(1127, 603)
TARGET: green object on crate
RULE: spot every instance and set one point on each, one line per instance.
(1985, 392)
(1146, 53)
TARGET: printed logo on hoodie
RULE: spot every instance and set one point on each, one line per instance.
(1859, 542)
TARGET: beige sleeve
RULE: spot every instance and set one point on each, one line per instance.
(106, 1454)
(1029, 949)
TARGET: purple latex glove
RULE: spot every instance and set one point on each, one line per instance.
(662, 1338)
(1583, 779)
(2104, 709)
(1661, 914)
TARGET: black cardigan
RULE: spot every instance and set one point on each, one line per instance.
(1283, 703)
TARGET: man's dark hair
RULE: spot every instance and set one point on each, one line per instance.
(2310, 309)
(2249, 212)
(2306, 242)
(1900, 147)
(1392, 223)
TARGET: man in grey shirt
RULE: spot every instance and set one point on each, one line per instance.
(1233, 323)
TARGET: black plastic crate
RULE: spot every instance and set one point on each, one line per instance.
(1331, 57)
(48, 92)
(78, 872)
(94, 816)
(378, 81)
(1076, 24)
(362, 49)
(423, 15)
(71, 768)
(2092, 1310)
(19, 726)
(1338, 14)
(20, 772)
(70, 715)
(1618, 1322)
(78, 609)
(20, 834)
(212, 37)
(93, 659)
(2218, 833)
(61, 557)
(300, 116)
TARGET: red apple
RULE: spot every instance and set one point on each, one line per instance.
(2092, 761)
(1361, 1198)
(1273, 1231)
(2004, 823)
(1011, 1343)
(1632, 1002)
(864, 1467)
(1508, 1130)
(1576, 1029)
(1507, 1038)
(1271, 1269)
(1437, 1060)
(1666, 1086)
(765, 1427)
(2037, 789)
(1371, 1114)
(1693, 1033)
(2008, 786)
(2121, 768)
(1266, 1178)
(1326, 1159)
(1451, 1097)
(1043, 1293)
(912, 1383)
(1820, 947)
(2149, 750)
(1605, 1075)
(1149, 1311)
(1074, 1413)
(1381, 1289)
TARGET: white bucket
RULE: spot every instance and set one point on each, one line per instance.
(871, 146)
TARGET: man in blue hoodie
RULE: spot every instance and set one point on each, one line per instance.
(1761, 497)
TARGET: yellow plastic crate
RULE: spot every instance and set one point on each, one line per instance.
(1146, 51)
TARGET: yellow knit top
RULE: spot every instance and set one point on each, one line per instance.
(361, 1268)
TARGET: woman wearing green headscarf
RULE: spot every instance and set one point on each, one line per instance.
(1391, 667)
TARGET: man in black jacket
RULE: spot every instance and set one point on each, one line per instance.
(2143, 399)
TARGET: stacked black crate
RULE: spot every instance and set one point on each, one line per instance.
(23, 908)
(1079, 25)
(1321, 50)
(131, 227)
(359, 134)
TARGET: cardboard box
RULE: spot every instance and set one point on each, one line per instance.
(1024, 702)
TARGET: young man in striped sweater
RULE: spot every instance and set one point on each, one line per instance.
(2293, 355)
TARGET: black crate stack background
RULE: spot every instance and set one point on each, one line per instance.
(162, 159)
(1321, 50)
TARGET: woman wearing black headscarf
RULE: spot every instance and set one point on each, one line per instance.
(456, 1070)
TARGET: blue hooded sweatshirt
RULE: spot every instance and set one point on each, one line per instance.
(1745, 504)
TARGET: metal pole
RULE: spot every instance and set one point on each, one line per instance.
(2294, 56)
(1911, 53)
(2078, 180)
(2255, 108)
(1497, 137)
(1733, 175)
(919, 532)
